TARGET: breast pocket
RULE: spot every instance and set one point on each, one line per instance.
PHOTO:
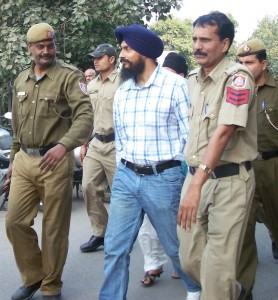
(210, 120)
(269, 116)
(46, 106)
(22, 105)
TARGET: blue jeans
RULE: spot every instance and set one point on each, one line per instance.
(132, 195)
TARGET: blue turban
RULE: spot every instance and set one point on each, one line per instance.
(140, 39)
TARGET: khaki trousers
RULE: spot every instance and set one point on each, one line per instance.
(99, 167)
(210, 251)
(264, 209)
(29, 186)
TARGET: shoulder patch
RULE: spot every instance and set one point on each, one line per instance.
(239, 81)
(237, 97)
(83, 88)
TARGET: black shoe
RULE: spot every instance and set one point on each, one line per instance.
(274, 251)
(26, 292)
(52, 297)
(93, 244)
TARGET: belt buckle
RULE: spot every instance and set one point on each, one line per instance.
(33, 152)
(136, 171)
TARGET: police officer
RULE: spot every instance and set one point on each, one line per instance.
(51, 115)
(100, 162)
(252, 54)
(219, 187)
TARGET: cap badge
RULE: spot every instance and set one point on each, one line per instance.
(50, 34)
(246, 48)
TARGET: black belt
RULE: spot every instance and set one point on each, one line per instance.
(268, 155)
(105, 138)
(36, 151)
(148, 170)
(225, 170)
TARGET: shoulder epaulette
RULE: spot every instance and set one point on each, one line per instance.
(193, 72)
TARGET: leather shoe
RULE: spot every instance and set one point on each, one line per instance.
(26, 292)
(52, 297)
(93, 244)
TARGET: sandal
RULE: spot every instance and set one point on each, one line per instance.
(149, 278)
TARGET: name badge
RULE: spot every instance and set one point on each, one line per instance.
(21, 94)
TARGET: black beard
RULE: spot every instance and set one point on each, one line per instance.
(133, 71)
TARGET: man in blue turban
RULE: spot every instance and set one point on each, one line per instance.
(150, 113)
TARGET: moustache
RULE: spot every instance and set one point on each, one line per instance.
(46, 56)
(198, 52)
(123, 60)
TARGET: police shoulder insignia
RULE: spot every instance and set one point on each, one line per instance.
(237, 97)
(83, 87)
(239, 81)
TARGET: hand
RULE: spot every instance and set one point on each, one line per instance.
(83, 152)
(52, 157)
(188, 208)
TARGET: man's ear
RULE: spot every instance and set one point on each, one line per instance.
(265, 64)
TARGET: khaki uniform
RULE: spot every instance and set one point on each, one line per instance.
(266, 193)
(45, 112)
(209, 252)
(99, 165)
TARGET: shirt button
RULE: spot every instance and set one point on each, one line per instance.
(194, 156)
(36, 85)
(29, 132)
(31, 117)
(212, 115)
(33, 101)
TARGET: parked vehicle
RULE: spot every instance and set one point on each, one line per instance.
(5, 149)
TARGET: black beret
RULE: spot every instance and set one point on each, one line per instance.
(140, 39)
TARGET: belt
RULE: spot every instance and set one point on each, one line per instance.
(148, 169)
(224, 170)
(267, 155)
(36, 151)
(105, 138)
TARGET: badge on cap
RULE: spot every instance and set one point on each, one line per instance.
(246, 48)
(83, 88)
(50, 34)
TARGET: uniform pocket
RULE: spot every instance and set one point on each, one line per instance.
(47, 104)
(22, 104)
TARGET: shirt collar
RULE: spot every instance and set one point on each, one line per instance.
(50, 71)
(112, 76)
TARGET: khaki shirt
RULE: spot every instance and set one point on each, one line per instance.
(267, 99)
(102, 97)
(213, 104)
(54, 109)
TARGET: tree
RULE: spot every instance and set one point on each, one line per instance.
(267, 32)
(176, 35)
(80, 25)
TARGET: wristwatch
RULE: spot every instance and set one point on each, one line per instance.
(205, 168)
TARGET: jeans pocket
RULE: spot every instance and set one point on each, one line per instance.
(172, 176)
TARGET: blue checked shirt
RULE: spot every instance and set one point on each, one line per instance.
(151, 121)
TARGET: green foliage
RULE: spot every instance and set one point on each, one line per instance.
(80, 25)
(177, 36)
(267, 32)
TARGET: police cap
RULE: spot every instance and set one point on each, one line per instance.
(252, 46)
(103, 49)
(40, 32)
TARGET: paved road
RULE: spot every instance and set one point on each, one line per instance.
(83, 273)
